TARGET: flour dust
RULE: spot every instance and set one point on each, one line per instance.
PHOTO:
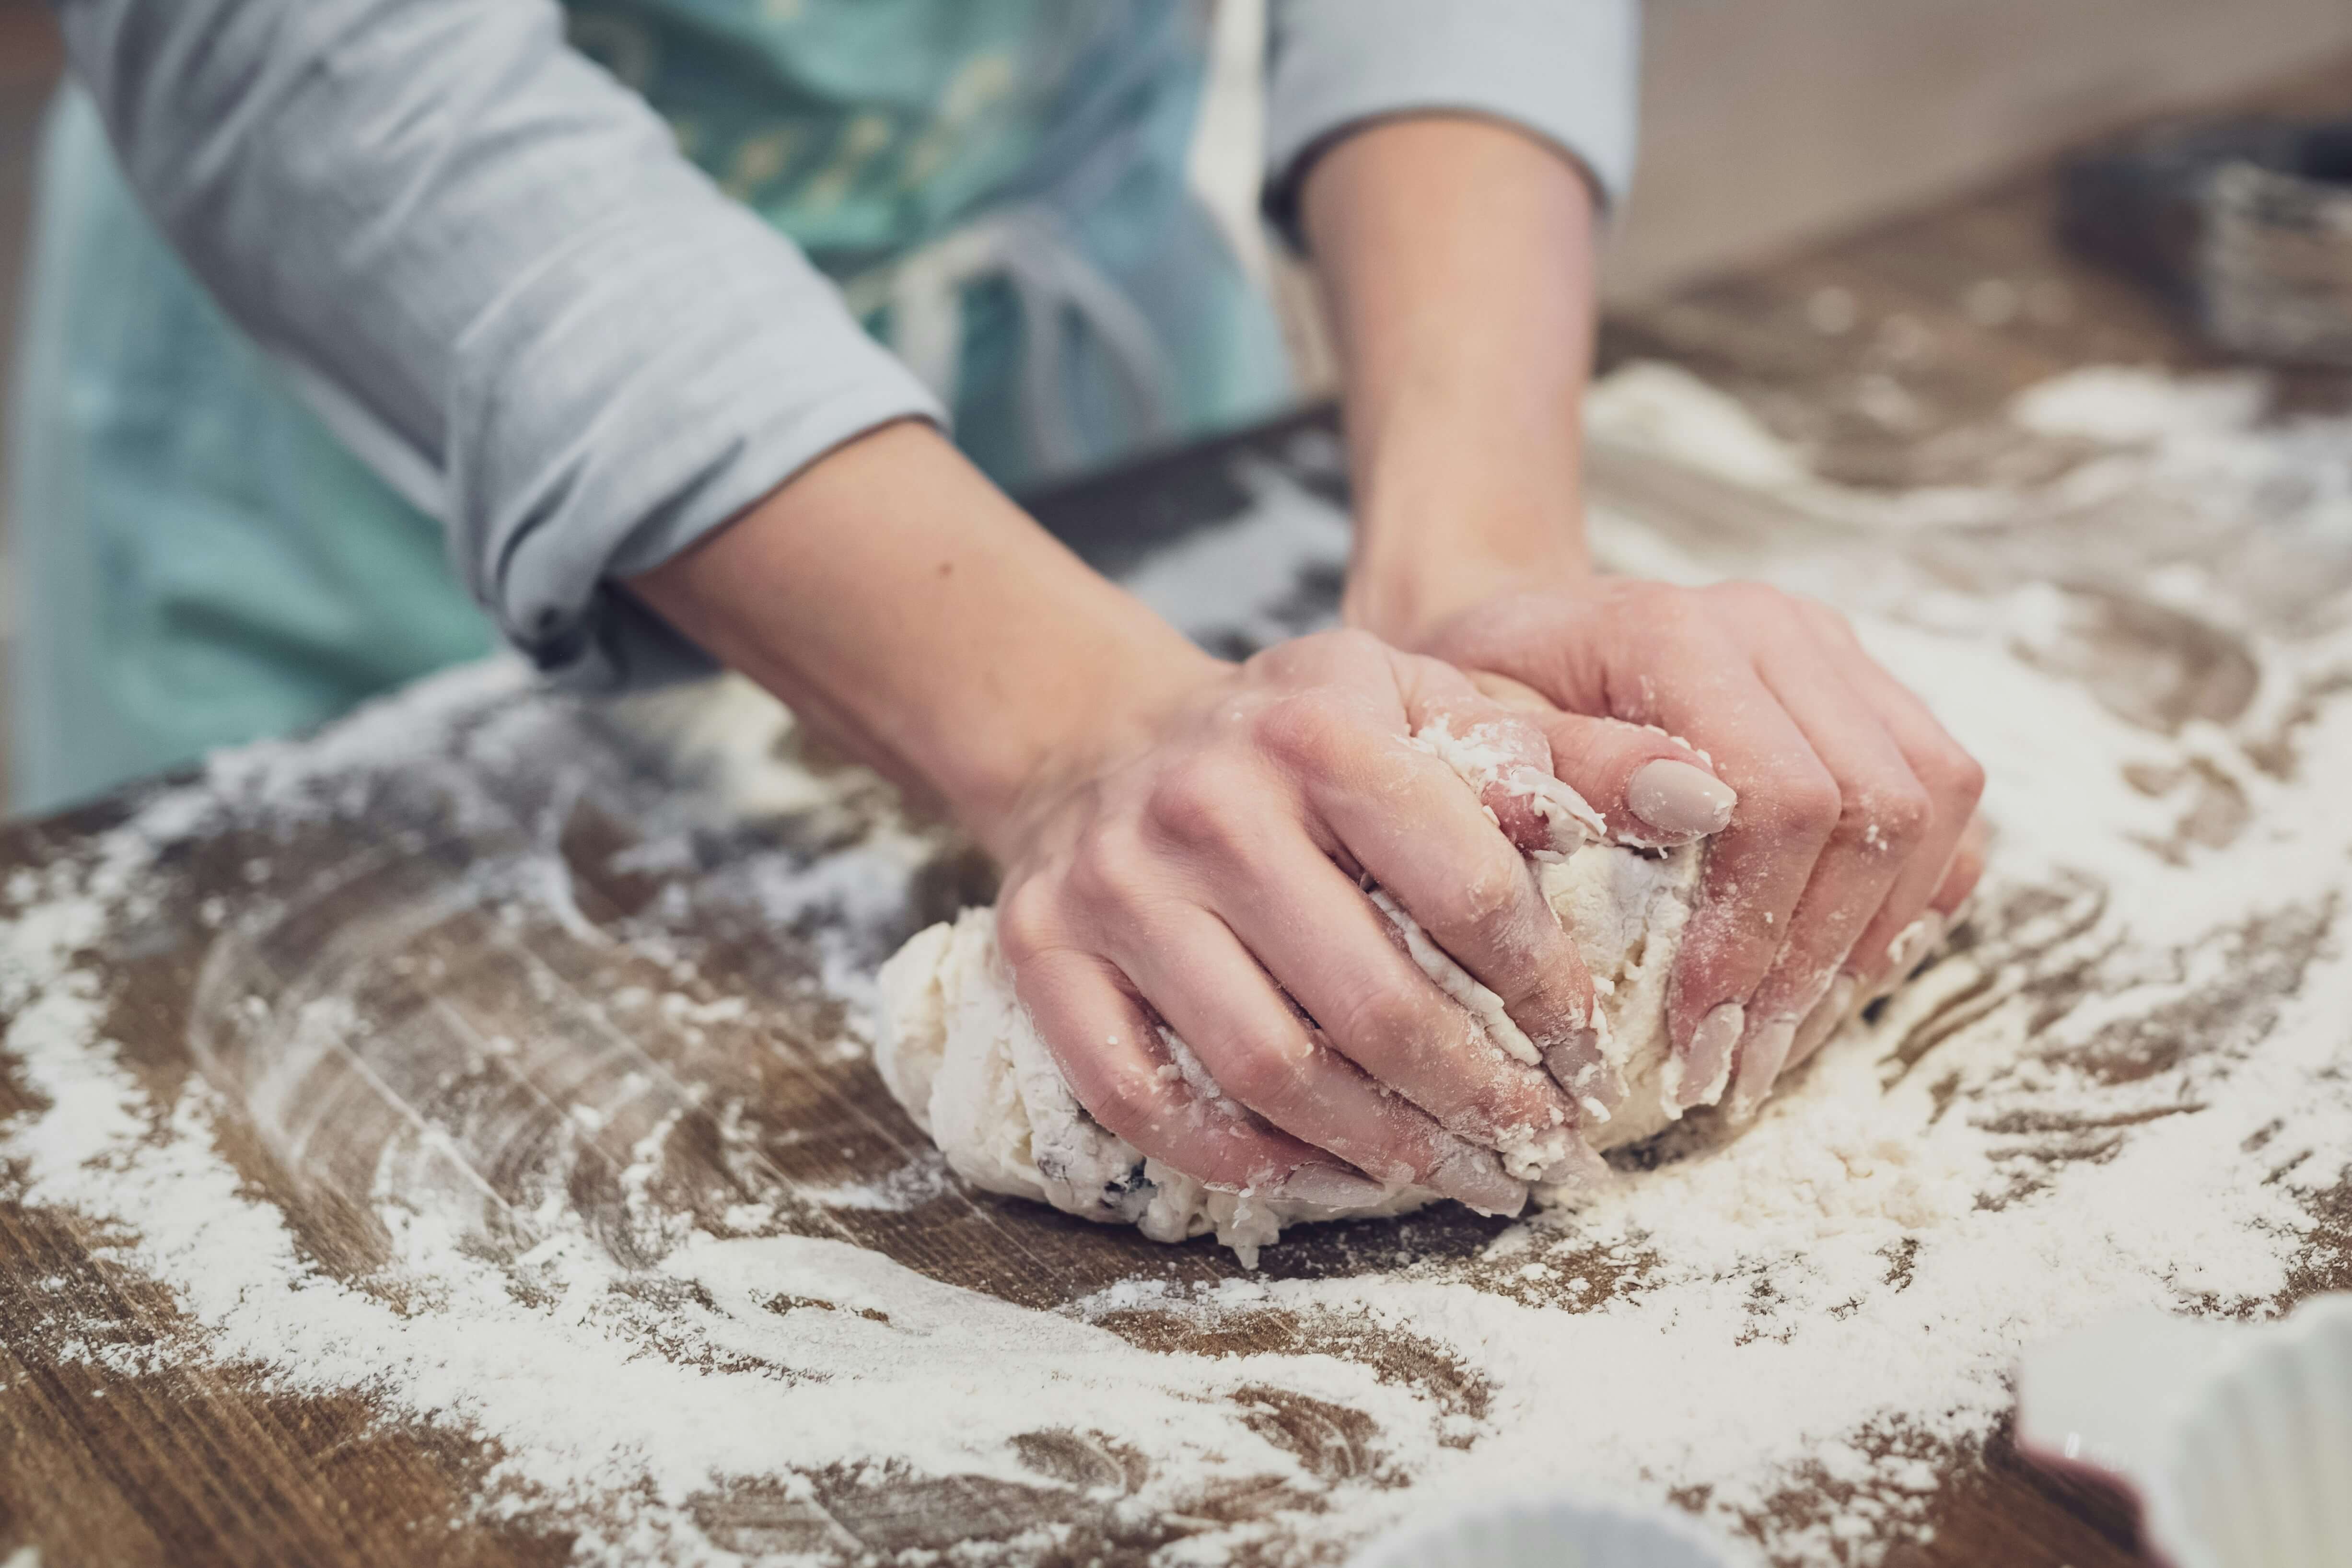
(2128, 1087)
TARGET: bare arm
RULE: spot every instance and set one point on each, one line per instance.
(1173, 827)
(1458, 259)
(555, 333)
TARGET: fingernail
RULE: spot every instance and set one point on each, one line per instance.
(1760, 1062)
(1579, 1066)
(1472, 1176)
(1828, 1013)
(1581, 1170)
(1328, 1186)
(1707, 1066)
(1678, 800)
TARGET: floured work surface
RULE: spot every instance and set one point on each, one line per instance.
(449, 1139)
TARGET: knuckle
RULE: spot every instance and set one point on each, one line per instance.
(1807, 805)
(1519, 734)
(1310, 731)
(1484, 901)
(1566, 991)
(1519, 1096)
(1203, 800)
(1385, 1019)
(1834, 622)
(1109, 868)
(1678, 616)
(1752, 599)
(1026, 922)
(1127, 1102)
(1264, 1072)
(1318, 653)
(1955, 776)
(1890, 816)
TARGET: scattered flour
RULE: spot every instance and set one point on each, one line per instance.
(2131, 1087)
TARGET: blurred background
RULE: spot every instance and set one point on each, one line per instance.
(29, 62)
(1766, 124)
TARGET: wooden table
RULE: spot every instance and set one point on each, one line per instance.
(1885, 355)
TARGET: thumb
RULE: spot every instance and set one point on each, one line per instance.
(1653, 789)
(1498, 748)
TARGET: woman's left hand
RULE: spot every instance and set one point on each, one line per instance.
(1457, 256)
(1850, 846)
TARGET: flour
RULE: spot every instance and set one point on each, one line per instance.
(2129, 1086)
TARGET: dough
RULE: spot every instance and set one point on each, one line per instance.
(959, 1054)
(959, 1051)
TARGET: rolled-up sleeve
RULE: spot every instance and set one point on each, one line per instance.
(1566, 70)
(487, 261)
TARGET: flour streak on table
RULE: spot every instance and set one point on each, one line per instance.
(448, 1140)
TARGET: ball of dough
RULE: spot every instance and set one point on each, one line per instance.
(959, 1051)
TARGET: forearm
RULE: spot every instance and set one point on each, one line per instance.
(895, 598)
(1458, 255)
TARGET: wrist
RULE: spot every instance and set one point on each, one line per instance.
(905, 608)
(1056, 743)
(1405, 604)
(1457, 257)
(1445, 522)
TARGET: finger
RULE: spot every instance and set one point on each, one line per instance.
(1500, 751)
(1471, 912)
(1652, 790)
(1956, 895)
(1112, 1057)
(1757, 868)
(1332, 949)
(1837, 1005)
(1883, 815)
(1509, 762)
(1404, 816)
(1262, 1054)
(1923, 937)
(1953, 780)
(1847, 995)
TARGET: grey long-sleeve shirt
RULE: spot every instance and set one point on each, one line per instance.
(487, 264)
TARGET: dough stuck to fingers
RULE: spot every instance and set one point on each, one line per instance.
(959, 1053)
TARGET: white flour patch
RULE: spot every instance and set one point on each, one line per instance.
(910, 1186)
(2131, 1089)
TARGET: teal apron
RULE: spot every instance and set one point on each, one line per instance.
(998, 184)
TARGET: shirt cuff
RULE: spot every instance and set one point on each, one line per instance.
(656, 384)
(1566, 70)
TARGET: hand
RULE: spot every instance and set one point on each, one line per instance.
(1457, 259)
(1181, 835)
(1846, 853)
(1198, 862)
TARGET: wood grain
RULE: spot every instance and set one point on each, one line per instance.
(381, 902)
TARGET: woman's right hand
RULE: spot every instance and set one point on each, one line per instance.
(1182, 838)
(1198, 863)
